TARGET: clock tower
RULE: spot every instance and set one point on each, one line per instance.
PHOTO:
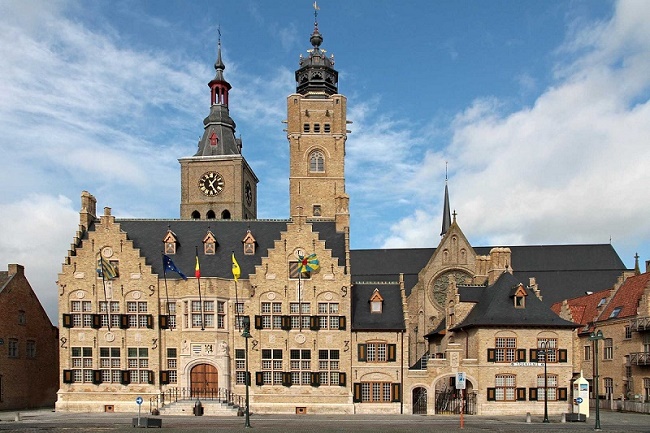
(316, 130)
(217, 182)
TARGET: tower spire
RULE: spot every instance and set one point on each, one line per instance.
(446, 214)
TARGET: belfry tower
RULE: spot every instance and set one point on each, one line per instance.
(316, 130)
(217, 182)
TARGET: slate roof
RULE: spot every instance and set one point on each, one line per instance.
(561, 271)
(147, 235)
(495, 307)
(390, 319)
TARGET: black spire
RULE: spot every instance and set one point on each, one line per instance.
(446, 215)
(317, 76)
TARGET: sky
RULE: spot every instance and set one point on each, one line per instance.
(538, 114)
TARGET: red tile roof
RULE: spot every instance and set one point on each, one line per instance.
(584, 309)
(627, 297)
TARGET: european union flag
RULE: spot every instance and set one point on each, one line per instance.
(168, 265)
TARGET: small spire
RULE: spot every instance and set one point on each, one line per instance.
(446, 217)
(637, 270)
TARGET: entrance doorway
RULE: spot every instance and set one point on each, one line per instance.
(419, 401)
(204, 380)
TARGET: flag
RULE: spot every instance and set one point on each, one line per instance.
(308, 264)
(108, 271)
(168, 265)
(236, 271)
(197, 269)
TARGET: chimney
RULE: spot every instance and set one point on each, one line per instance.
(88, 211)
(15, 269)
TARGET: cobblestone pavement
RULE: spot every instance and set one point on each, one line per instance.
(62, 422)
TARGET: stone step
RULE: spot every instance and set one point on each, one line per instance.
(210, 408)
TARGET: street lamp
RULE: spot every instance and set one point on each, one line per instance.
(246, 324)
(544, 350)
(595, 336)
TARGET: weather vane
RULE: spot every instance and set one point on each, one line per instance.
(316, 9)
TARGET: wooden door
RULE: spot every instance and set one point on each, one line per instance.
(204, 380)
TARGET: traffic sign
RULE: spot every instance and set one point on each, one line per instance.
(139, 400)
(460, 380)
(579, 400)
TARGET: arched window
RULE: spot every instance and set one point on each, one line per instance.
(317, 162)
(210, 215)
(196, 215)
(225, 215)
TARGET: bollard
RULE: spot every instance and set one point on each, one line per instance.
(17, 418)
(528, 417)
(563, 417)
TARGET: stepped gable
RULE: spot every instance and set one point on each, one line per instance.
(495, 307)
(390, 319)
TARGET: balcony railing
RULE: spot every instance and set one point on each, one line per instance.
(640, 324)
(639, 358)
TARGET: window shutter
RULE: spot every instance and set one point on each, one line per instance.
(285, 323)
(532, 394)
(151, 378)
(248, 378)
(491, 355)
(97, 321)
(356, 397)
(315, 379)
(342, 379)
(392, 352)
(126, 377)
(150, 321)
(521, 355)
(562, 394)
(286, 379)
(533, 355)
(258, 322)
(314, 323)
(67, 322)
(164, 377)
(124, 321)
(491, 394)
(395, 389)
(97, 377)
(341, 323)
(562, 355)
(163, 321)
(67, 376)
(259, 378)
(521, 394)
(362, 352)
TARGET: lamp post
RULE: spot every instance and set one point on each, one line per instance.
(246, 322)
(544, 350)
(595, 336)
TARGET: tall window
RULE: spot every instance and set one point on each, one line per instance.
(240, 366)
(547, 350)
(13, 348)
(609, 349)
(272, 366)
(628, 332)
(31, 349)
(239, 318)
(202, 317)
(300, 366)
(171, 312)
(317, 162)
(505, 349)
(271, 315)
(172, 364)
(137, 312)
(609, 386)
(376, 392)
(82, 363)
(114, 307)
(505, 385)
(298, 312)
(587, 353)
(22, 317)
(376, 352)
(221, 314)
(109, 362)
(138, 364)
(551, 386)
(328, 315)
(328, 366)
(81, 314)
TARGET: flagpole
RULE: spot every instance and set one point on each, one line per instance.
(299, 296)
(108, 307)
(198, 280)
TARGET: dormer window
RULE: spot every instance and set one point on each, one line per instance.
(376, 302)
(209, 244)
(615, 312)
(170, 242)
(249, 244)
(519, 297)
(602, 302)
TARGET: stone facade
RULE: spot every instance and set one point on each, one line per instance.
(29, 368)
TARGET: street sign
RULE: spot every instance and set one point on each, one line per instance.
(139, 400)
(460, 380)
(579, 400)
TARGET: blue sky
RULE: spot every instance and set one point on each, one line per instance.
(540, 109)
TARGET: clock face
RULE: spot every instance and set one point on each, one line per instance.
(211, 183)
(249, 193)
(438, 292)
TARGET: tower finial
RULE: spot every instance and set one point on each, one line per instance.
(316, 9)
(637, 270)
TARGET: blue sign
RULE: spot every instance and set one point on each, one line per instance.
(579, 400)
(138, 400)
